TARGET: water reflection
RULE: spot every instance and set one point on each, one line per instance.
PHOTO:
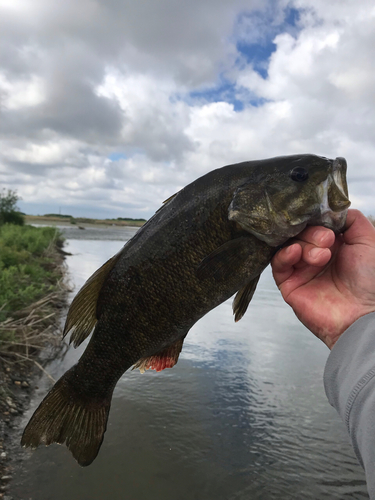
(242, 415)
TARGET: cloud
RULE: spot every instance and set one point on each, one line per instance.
(111, 107)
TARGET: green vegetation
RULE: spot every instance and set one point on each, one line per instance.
(27, 266)
(57, 218)
(9, 212)
(62, 216)
(129, 219)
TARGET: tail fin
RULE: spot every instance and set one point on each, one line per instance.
(63, 418)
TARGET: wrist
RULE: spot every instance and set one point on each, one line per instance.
(331, 337)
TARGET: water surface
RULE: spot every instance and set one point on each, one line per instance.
(243, 415)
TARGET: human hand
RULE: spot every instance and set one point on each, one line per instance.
(328, 279)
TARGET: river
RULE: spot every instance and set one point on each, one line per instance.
(243, 415)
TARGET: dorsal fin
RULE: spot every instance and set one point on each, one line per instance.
(166, 201)
(170, 198)
(82, 312)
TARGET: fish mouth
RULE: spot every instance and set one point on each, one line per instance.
(333, 193)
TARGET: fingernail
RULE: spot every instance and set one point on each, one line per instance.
(315, 253)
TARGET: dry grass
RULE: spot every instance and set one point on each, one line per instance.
(32, 329)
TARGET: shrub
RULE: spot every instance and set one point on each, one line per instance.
(8, 208)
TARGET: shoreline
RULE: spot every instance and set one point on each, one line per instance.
(19, 372)
(80, 221)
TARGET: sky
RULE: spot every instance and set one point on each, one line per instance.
(108, 107)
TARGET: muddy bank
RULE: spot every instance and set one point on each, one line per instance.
(35, 340)
(17, 383)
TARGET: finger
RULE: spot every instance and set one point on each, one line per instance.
(319, 236)
(314, 260)
(300, 277)
(293, 269)
(315, 256)
(310, 255)
(298, 256)
(283, 262)
(287, 257)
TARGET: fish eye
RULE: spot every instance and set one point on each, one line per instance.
(299, 174)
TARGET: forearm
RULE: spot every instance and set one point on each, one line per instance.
(349, 381)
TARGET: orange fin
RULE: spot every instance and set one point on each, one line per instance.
(166, 358)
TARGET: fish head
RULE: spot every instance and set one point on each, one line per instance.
(281, 198)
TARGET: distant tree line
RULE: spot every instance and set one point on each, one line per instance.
(9, 212)
(129, 218)
(58, 215)
(86, 219)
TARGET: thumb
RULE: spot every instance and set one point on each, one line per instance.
(358, 229)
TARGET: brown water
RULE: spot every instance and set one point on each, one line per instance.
(243, 415)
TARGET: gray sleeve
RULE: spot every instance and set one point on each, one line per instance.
(349, 380)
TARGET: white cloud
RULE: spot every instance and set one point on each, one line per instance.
(47, 153)
(97, 103)
(21, 93)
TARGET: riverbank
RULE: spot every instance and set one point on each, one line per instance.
(83, 222)
(33, 293)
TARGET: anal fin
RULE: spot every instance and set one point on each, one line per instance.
(166, 358)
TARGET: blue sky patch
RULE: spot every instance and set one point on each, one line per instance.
(257, 55)
(117, 156)
(130, 151)
(255, 32)
(224, 91)
(292, 17)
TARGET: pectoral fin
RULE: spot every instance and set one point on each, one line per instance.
(166, 358)
(223, 261)
(243, 298)
(82, 312)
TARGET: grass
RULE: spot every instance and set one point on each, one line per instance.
(30, 287)
(27, 270)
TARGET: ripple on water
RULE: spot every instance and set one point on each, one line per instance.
(243, 415)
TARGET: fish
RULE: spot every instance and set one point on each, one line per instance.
(209, 241)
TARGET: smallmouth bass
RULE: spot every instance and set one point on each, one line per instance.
(207, 242)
